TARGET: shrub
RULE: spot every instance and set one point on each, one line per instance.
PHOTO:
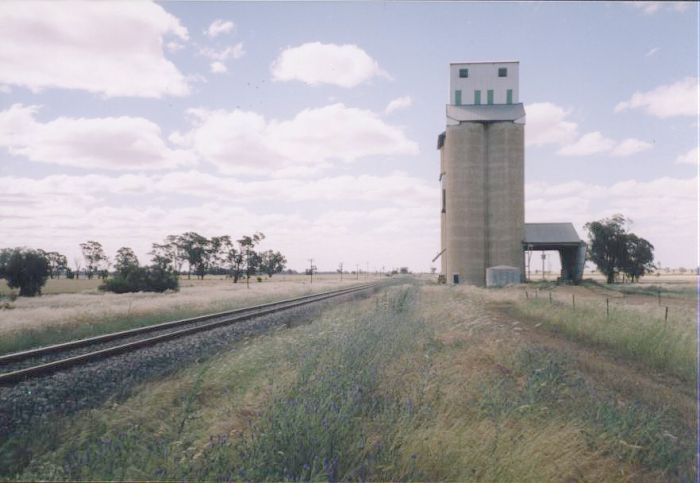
(25, 269)
(142, 279)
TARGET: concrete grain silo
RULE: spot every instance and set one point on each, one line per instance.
(482, 172)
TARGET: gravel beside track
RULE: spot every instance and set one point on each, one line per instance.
(27, 405)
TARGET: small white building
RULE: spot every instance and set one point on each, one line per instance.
(484, 92)
(484, 83)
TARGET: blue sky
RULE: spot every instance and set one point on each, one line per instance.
(125, 122)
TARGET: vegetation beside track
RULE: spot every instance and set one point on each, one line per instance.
(416, 383)
(87, 321)
(644, 334)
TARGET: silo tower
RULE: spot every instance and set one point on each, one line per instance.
(482, 172)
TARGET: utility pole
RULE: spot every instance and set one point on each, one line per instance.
(544, 255)
(311, 269)
(341, 271)
(357, 270)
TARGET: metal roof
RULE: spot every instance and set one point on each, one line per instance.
(551, 233)
(487, 62)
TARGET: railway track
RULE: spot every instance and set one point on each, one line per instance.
(33, 363)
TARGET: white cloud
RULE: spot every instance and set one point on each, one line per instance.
(647, 7)
(690, 157)
(396, 217)
(245, 142)
(174, 46)
(217, 67)
(589, 143)
(630, 146)
(648, 203)
(315, 63)
(232, 52)
(398, 103)
(650, 8)
(130, 143)
(109, 48)
(652, 52)
(218, 27)
(677, 99)
(547, 124)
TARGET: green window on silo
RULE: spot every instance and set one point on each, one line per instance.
(463, 73)
(509, 96)
(489, 96)
(458, 97)
(477, 97)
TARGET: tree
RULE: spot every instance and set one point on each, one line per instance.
(57, 263)
(178, 253)
(5, 255)
(250, 257)
(25, 269)
(272, 262)
(95, 257)
(125, 260)
(164, 256)
(639, 257)
(194, 248)
(606, 246)
(614, 250)
(78, 266)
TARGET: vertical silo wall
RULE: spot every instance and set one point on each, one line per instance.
(505, 194)
(465, 154)
(443, 226)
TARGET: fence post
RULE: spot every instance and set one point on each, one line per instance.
(550, 297)
(607, 308)
(573, 301)
(666, 315)
(526, 295)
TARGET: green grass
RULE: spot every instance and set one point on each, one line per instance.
(644, 337)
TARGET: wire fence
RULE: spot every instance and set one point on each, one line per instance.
(603, 302)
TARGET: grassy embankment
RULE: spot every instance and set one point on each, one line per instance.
(417, 384)
(41, 321)
(643, 332)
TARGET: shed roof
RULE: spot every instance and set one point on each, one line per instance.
(551, 233)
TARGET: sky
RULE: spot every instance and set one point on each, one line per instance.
(316, 122)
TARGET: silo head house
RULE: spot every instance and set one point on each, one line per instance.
(482, 173)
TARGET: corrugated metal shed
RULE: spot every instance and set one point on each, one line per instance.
(551, 233)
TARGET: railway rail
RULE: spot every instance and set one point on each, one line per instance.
(41, 361)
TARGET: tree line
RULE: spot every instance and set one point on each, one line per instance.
(28, 269)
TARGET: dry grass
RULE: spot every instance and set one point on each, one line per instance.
(92, 306)
(429, 384)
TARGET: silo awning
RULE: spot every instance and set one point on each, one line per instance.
(556, 235)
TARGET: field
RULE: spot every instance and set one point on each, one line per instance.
(417, 382)
(76, 308)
